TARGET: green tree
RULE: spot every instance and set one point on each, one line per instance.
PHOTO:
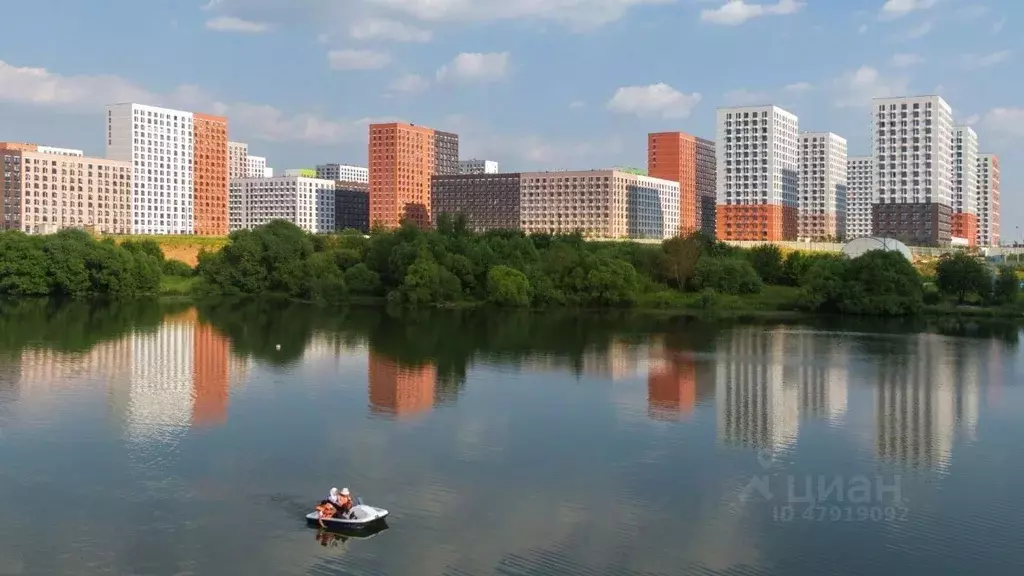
(678, 260)
(727, 276)
(363, 281)
(881, 283)
(767, 262)
(962, 275)
(507, 286)
(1007, 285)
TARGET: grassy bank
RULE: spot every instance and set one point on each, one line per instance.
(177, 285)
(182, 248)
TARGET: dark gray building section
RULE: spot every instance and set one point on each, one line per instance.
(352, 206)
(489, 201)
(706, 173)
(914, 224)
(446, 153)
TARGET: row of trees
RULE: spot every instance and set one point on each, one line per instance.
(414, 267)
(73, 264)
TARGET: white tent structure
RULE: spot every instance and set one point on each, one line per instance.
(859, 246)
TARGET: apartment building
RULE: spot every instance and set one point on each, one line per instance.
(210, 175)
(988, 200)
(256, 167)
(343, 172)
(60, 151)
(268, 172)
(306, 202)
(475, 166)
(965, 184)
(860, 195)
(823, 187)
(652, 207)
(352, 206)
(912, 147)
(44, 192)
(757, 179)
(488, 201)
(690, 161)
(403, 158)
(159, 143)
(238, 155)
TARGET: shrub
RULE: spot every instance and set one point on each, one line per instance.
(507, 286)
(727, 276)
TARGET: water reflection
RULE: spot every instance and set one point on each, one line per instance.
(397, 389)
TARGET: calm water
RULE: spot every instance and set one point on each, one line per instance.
(149, 439)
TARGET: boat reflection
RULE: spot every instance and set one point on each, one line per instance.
(332, 536)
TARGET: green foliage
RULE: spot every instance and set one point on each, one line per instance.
(678, 260)
(1007, 287)
(727, 276)
(767, 262)
(877, 283)
(73, 264)
(507, 286)
(962, 275)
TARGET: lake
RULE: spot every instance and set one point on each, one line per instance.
(157, 438)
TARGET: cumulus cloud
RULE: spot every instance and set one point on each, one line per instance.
(475, 67)
(357, 59)
(736, 12)
(919, 31)
(984, 60)
(905, 60)
(578, 14)
(576, 104)
(409, 84)
(744, 97)
(653, 101)
(894, 9)
(1008, 122)
(799, 87)
(856, 88)
(390, 30)
(232, 24)
(91, 93)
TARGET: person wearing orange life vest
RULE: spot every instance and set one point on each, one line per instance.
(342, 500)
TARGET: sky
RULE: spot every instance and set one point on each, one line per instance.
(533, 84)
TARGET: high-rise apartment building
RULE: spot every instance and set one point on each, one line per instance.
(690, 161)
(965, 184)
(860, 196)
(238, 154)
(352, 206)
(757, 174)
(159, 143)
(988, 200)
(823, 187)
(210, 175)
(343, 172)
(44, 192)
(256, 167)
(488, 201)
(60, 151)
(475, 166)
(306, 202)
(912, 146)
(403, 157)
(652, 207)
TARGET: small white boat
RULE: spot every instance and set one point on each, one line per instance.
(359, 517)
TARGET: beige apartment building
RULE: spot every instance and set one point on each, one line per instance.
(592, 201)
(44, 192)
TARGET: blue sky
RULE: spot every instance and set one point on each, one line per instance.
(530, 83)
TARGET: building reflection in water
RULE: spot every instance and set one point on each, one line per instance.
(676, 381)
(756, 407)
(822, 372)
(398, 389)
(922, 399)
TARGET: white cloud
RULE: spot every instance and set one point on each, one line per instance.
(862, 29)
(653, 101)
(971, 120)
(997, 27)
(858, 87)
(894, 9)
(1004, 122)
(984, 60)
(919, 31)
(736, 12)
(384, 29)
(905, 60)
(974, 11)
(357, 59)
(475, 66)
(90, 93)
(743, 97)
(232, 24)
(409, 84)
(578, 14)
(577, 104)
(799, 87)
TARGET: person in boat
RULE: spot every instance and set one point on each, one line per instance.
(324, 511)
(341, 500)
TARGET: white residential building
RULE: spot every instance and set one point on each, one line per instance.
(912, 144)
(965, 183)
(652, 207)
(823, 186)
(238, 153)
(256, 167)
(158, 143)
(475, 166)
(860, 194)
(307, 202)
(757, 181)
(268, 172)
(60, 151)
(988, 200)
(343, 172)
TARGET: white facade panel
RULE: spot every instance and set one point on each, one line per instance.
(757, 160)
(60, 151)
(988, 200)
(965, 170)
(478, 167)
(343, 172)
(823, 186)
(255, 167)
(306, 202)
(912, 147)
(652, 206)
(860, 195)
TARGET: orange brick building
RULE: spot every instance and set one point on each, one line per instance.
(210, 166)
(402, 158)
(689, 160)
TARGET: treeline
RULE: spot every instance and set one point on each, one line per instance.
(73, 264)
(412, 267)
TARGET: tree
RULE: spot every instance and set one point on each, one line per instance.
(881, 283)
(767, 262)
(962, 275)
(679, 260)
(507, 287)
(1007, 285)
(727, 276)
